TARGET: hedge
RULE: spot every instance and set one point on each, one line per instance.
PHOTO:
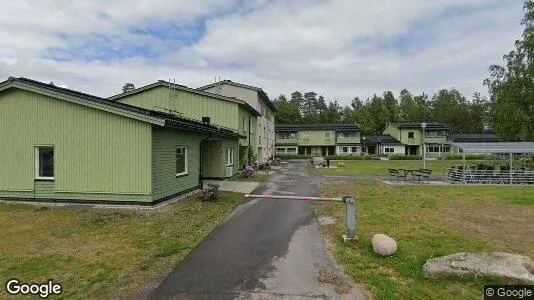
(405, 157)
(293, 156)
(467, 156)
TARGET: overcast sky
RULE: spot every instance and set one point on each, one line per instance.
(340, 49)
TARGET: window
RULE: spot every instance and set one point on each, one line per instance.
(229, 157)
(341, 135)
(389, 150)
(292, 135)
(327, 136)
(291, 150)
(353, 149)
(181, 161)
(244, 126)
(345, 149)
(411, 135)
(44, 163)
(280, 150)
(264, 131)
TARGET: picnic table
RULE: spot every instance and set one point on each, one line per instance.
(419, 174)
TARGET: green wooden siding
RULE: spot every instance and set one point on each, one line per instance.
(44, 189)
(95, 152)
(165, 141)
(344, 137)
(316, 138)
(221, 112)
(402, 134)
(211, 159)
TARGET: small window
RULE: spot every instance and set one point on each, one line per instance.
(181, 161)
(327, 135)
(229, 157)
(291, 150)
(244, 126)
(411, 135)
(345, 149)
(281, 150)
(44, 163)
(353, 150)
(389, 150)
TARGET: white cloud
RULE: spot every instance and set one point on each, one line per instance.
(339, 48)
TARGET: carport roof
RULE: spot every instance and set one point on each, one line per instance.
(511, 147)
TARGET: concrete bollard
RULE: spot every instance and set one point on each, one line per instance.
(350, 219)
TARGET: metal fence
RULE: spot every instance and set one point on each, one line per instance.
(457, 175)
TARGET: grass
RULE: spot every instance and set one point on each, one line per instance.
(380, 167)
(426, 222)
(103, 253)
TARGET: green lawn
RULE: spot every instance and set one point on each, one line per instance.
(103, 253)
(380, 167)
(427, 221)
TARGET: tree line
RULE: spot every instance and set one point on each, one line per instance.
(509, 112)
(449, 107)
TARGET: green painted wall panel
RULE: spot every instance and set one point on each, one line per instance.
(190, 105)
(44, 189)
(316, 138)
(94, 151)
(346, 138)
(211, 159)
(165, 141)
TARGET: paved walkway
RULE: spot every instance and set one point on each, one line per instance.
(233, 186)
(266, 249)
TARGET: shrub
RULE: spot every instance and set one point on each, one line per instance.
(341, 164)
(211, 193)
(294, 156)
(248, 171)
(345, 157)
(405, 157)
(467, 156)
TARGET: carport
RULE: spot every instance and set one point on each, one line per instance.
(485, 173)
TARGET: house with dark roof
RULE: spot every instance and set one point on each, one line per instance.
(226, 157)
(416, 135)
(264, 144)
(475, 138)
(318, 139)
(63, 145)
(382, 145)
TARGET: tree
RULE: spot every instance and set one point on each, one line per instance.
(511, 87)
(288, 111)
(128, 87)
(408, 110)
(333, 113)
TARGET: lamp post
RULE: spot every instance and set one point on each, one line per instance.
(364, 148)
(423, 125)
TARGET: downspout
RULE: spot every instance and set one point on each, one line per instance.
(200, 173)
(249, 132)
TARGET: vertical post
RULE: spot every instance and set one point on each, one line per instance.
(442, 161)
(423, 125)
(350, 217)
(511, 168)
(463, 168)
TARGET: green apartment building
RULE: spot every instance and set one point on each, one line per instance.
(318, 139)
(63, 145)
(225, 155)
(410, 133)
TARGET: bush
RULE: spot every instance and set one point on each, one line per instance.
(467, 156)
(341, 164)
(345, 157)
(294, 156)
(248, 171)
(212, 193)
(405, 157)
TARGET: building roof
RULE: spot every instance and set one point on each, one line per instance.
(142, 114)
(417, 124)
(317, 126)
(513, 147)
(381, 139)
(163, 83)
(475, 138)
(261, 92)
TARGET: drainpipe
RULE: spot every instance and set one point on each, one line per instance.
(249, 132)
(200, 173)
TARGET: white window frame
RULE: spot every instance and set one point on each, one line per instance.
(343, 149)
(229, 157)
(186, 160)
(354, 148)
(329, 136)
(37, 162)
(389, 150)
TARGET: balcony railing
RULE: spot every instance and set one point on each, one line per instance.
(457, 175)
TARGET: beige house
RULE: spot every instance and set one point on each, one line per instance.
(264, 144)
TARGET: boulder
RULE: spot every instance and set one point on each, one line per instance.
(383, 245)
(496, 264)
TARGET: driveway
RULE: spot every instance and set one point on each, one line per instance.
(266, 249)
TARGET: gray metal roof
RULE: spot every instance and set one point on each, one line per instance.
(317, 126)
(475, 138)
(512, 147)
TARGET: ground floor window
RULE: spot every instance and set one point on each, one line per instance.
(437, 149)
(353, 149)
(389, 150)
(286, 150)
(181, 161)
(44, 162)
(347, 149)
(229, 157)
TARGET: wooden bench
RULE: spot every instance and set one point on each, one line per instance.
(422, 174)
(395, 173)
